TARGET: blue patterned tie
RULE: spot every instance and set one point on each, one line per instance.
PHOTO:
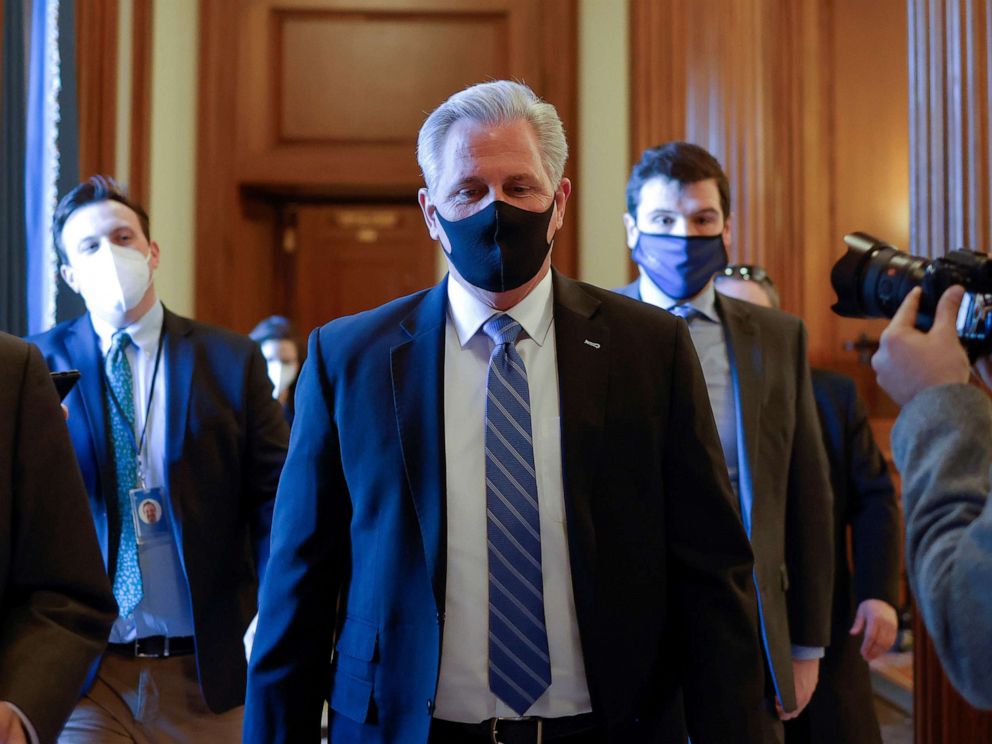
(519, 664)
(120, 405)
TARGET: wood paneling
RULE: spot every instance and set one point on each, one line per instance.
(950, 86)
(343, 109)
(322, 99)
(805, 105)
(141, 92)
(96, 67)
(353, 258)
(950, 57)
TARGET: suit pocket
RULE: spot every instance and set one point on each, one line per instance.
(354, 671)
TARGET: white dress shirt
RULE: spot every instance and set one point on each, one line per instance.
(165, 607)
(463, 692)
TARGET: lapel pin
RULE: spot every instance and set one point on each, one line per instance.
(593, 344)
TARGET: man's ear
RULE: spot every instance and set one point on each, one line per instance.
(728, 232)
(69, 277)
(630, 225)
(154, 252)
(430, 213)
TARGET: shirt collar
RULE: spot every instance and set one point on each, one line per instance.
(144, 332)
(704, 302)
(533, 312)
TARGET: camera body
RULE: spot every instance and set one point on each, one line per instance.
(873, 278)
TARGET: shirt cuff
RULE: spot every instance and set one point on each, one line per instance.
(25, 721)
(807, 653)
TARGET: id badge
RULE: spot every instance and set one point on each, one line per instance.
(151, 522)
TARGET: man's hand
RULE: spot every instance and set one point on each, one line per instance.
(880, 624)
(806, 673)
(11, 730)
(908, 361)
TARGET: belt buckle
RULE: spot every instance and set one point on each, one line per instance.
(495, 724)
(164, 654)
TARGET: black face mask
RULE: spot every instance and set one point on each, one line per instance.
(500, 248)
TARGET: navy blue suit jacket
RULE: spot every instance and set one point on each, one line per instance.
(225, 446)
(352, 607)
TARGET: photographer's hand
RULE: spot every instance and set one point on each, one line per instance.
(908, 361)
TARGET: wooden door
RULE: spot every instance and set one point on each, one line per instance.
(302, 100)
(349, 258)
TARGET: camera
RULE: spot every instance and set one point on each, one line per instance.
(873, 278)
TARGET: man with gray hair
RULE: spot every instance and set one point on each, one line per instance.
(487, 529)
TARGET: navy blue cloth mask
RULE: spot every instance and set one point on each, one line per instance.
(499, 248)
(680, 265)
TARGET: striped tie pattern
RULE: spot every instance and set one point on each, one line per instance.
(519, 664)
(120, 406)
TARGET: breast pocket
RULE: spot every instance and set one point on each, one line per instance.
(354, 669)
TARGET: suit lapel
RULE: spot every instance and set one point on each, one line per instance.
(83, 351)
(583, 356)
(417, 367)
(177, 363)
(744, 341)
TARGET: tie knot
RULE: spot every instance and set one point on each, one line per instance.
(502, 329)
(685, 311)
(119, 342)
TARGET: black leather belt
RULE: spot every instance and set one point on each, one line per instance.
(155, 647)
(578, 729)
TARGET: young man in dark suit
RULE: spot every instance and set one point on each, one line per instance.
(864, 622)
(488, 525)
(179, 413)
(56, 607)
(678, 225)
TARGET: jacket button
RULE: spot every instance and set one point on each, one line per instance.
(430, 707)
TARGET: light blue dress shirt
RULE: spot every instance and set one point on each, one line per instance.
(165, 608)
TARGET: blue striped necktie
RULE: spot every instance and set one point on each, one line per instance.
(120, 407)
(519, 664)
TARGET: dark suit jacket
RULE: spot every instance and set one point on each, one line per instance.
(791, 512)
(225, 446)
(842, 708)
(56, 607)
(358, 543)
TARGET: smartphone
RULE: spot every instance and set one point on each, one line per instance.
(65, 381)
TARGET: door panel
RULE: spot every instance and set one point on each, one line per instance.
(351, 258)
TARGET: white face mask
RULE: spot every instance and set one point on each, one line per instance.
(282, 375)
(113, 280)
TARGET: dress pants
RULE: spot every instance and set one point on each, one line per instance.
(149, 701)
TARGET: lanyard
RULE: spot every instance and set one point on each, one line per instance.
(139, 445)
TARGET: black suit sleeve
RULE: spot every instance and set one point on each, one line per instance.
(56, 606)
(873, 512)
(713, 600)
(809, 519)
(267, 442)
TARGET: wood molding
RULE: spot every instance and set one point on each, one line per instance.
(141, 95)
(96, 70)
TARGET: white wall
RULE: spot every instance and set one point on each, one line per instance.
(603, 150)
(172, 187)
